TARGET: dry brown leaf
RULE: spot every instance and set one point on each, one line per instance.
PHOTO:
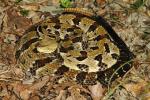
(61, 95)
(25, 94)
(101, 12)
(35, 98)
(1, 40)
(25, 90)
(40, 84)
(100, 2)
(14, 23)
(18, 86)
(31, 7)
(137, 87)
(75, 93)
(54, 2)
(6, 52)
(128, 1)
(97, 92)
(62, 86)
(18, 72)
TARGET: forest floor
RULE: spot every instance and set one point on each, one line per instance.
(129, 18)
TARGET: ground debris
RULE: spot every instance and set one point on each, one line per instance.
(130, 20)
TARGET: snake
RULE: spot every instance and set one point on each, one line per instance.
(74, 45)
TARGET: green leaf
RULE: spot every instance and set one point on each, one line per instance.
(65, 3)
(17, 1)
(137, 4)
(146, 32)
(24, 12)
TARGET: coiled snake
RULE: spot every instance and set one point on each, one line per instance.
(75, 46)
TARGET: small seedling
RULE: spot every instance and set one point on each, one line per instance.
(17, 1)
(24, 12)
(65, 3)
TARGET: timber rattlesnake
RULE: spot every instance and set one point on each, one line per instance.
(74, 45)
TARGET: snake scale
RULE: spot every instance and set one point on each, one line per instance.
(75, 46)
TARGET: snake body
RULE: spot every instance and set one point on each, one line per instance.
(74, 46)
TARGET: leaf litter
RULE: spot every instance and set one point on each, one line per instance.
(129, 18)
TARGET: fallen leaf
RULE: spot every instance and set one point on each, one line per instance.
(40, 84)
(75, 93)
(61, 95)
(14, 23)
(137, 4)
(136, 88)
(97, 92)
(100, 2)
(31, 7)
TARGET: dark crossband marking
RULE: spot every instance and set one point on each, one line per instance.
(98, 57)
(83, 53)
(35, 50)
(25, 46)
(99, 37)
(77, 39)
(83, 67)
(76, 20)
(45, 26)
(70, 29)
(115, 56)
(84, 45)
(81, 58)
(94, 48)
(65, 50)
(57, 33)
(93, 27)
(17, 54)
(106, 47)
(42, 62)
(91, 79)
(57, 26)
(80, 77)
(61, 70)
(102, 66)
(66, 38)
(33, 70)
(28, 43)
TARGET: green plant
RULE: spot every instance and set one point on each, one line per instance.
(137, 4)
(17, 1)
(65, 3)
(24, 12)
